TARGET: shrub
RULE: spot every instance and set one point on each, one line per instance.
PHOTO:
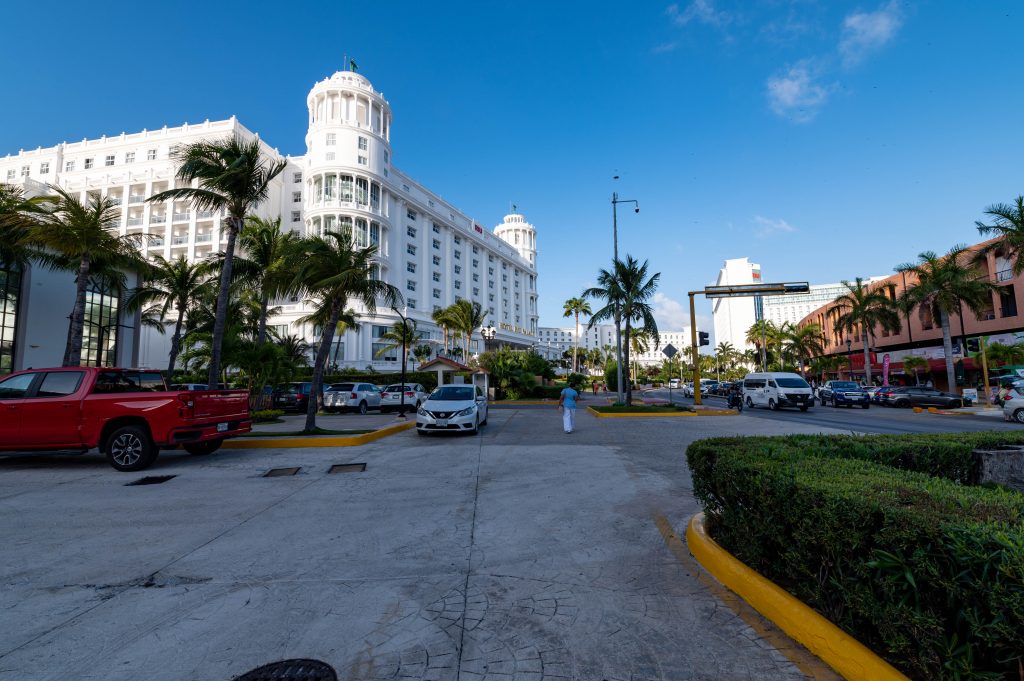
(611, 377)
(267, 415)
(926, 571)
(546, 392)
(577, 381)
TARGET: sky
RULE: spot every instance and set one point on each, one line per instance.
(823, 139)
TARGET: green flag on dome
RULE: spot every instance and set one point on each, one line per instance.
(352, 65)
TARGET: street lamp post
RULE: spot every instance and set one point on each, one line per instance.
(405, 334)
(615, 241)
(488, 333)
(849, 356)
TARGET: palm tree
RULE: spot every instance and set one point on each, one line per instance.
(760, 334)
(422, 353)
(296, 350)
(626, 290)
(944, 285)
(826, 364)
(266, 263)
(915, 363)
(85, 240)
(803, 343)
(639, 343)
(1001, 355)
(862, 309)
(1008, 227)
(232, 176)
(466, 317)
(170, 285)
(18, 217)
(443, 318)
(333, 271)
(576, 307)
(401, 336)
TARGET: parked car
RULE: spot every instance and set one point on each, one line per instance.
(127, 414)
(453, 408)
(673, 383)
(880, 394)
(843, 393)
(292, 396)
(777, 389)
(919, 396)
(391, 397)
(1013, 404)
(359, 397)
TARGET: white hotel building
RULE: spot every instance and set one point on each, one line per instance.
(433, 252)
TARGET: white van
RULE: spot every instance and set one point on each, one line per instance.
(776, 389)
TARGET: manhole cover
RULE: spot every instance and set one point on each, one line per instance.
(150, 480)
(281, 472)
(291, 670)
(347, 468)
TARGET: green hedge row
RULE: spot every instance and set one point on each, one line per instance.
(924, 570)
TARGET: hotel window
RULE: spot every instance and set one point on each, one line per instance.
(296, 216)
(10, 288)
(109, 160)
(490, 299)
(458, 269)
(410, 267)
(490, 258)
(375, 272)
(411, 231)
(296, 197)
(99, 334)
(151, 154)
(458, 255)
(437, 245)
(410, 285)
(476, 291)
(88, 163)
(475, 250)
(410, 249)
(375, 233)
(362, 144)
(504, 290)
(437, 260)
(490, 284)
(437, 293)
(504, 277)
(458, 240)
(436, 276)
(24, 171)
(436, 228)
(411, 302)
(476, 277)
(346, 186)
(10, 174)
(332, 139)
(458, 284)
(491, 310)
(129, 157)
(386, 158)
(504, 265)
(476, 263)
(490, 271)
(44, 168)
(69, 166)
(411, 214)
(430, 202)
(297, 177)
(329, 156)
(375, 196)
(362, 160)
(362, 191)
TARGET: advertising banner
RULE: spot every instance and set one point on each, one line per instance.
(885, 369)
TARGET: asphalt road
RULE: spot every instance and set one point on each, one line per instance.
(877, 419)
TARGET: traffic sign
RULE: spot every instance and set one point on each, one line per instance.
(669, 351)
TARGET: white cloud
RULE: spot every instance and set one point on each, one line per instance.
(670, 314)
(796, 94)
(701, 11)
(867, 32)
(768, 227)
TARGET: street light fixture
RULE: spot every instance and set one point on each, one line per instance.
(488, 333)
(405, 334)
(615, 239)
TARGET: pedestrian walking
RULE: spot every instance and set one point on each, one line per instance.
(593, 387)
(567, 403)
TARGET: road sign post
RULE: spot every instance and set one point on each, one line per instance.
(670, 352)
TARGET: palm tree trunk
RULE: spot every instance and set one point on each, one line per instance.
(326, 338)
(261, 333)
(576, 346)
(223, 295)
(73, 349)
(625, 361)
(947, 350)
(867, 357)
(175, 343)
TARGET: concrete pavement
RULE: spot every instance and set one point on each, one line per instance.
(522, 554)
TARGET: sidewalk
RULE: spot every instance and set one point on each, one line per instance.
(991, 412)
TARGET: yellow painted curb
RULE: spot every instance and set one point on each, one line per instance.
(316, 440)
(836, 648)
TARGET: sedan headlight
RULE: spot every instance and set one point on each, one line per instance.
(422, 412)
(468, 411)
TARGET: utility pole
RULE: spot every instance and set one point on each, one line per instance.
(617, 314)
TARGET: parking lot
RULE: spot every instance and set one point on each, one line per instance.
(520, 554)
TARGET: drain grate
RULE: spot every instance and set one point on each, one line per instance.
(150, 480)
(282, 472)
(347, 468)
(291, 670)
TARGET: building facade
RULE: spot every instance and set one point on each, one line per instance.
(346, 181)
(733, 317)
(791, 309)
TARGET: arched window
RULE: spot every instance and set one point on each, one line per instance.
(362, 191)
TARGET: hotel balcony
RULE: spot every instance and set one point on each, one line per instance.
(179, 240)
(134, 222)
(155, 242)
(136, 198)
(181, 217)
(158, 219)
(203, 238)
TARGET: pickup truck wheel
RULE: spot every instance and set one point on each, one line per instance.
(362, 407)
(204, 448)
(130, 449)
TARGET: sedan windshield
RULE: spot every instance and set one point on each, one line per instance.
(845, 385)
(452, 394)
(791, 383)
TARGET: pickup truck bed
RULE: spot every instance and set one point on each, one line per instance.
(125, 413)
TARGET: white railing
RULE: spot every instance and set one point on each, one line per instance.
(202, 238)
(114, 201)
(158, 219)
(204, 214)
(134, 222)
(156, 242)
(181, 217)
(135, 198)
(179, 240)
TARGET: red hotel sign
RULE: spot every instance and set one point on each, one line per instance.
(478, 228)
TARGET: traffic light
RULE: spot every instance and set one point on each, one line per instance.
(703, 338)
(973, 345)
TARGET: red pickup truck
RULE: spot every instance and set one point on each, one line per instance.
(128, 414)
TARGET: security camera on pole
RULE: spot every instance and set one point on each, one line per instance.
(618, 321)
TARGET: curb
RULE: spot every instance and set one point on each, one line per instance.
(316, 440)
(836, 648)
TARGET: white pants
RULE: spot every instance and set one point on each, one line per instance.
(568, 419)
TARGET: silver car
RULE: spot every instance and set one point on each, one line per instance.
(453, 408)
(391, 398)
(1013, 404)
(359, 397)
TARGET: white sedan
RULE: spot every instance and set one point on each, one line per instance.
(453, 408)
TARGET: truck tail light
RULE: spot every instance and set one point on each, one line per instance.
(187, 408)
(353, 396)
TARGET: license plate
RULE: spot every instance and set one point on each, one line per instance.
(222, 427)
(442, 422)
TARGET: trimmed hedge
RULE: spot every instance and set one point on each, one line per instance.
(924, 570)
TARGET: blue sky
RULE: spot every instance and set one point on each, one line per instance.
(825, 140)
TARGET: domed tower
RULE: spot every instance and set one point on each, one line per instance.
(348, 155)
(521, 235)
